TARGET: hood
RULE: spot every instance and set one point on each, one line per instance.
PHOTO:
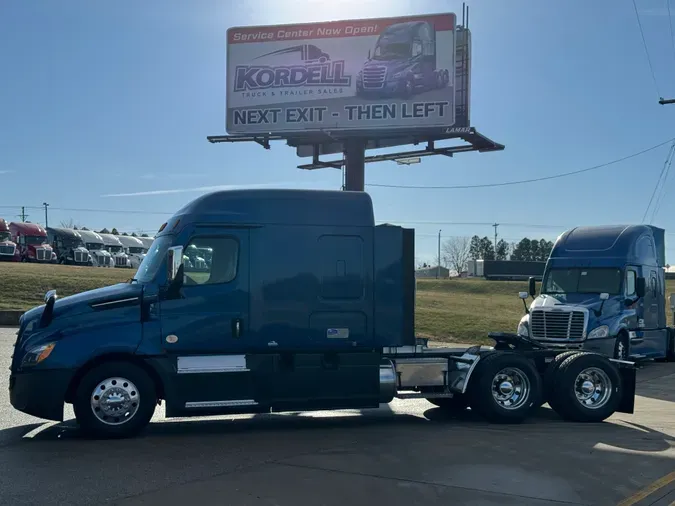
(393, 66)
(7, 243)
(81, 302)
(102, 253)
(82, 249)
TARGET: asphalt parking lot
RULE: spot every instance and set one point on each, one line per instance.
(403, 453)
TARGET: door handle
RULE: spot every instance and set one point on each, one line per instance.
(236, 327)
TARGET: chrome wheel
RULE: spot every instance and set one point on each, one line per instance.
(593, 388)
(115, 401)
(511, 388)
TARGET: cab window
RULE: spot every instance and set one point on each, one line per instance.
(210, 260)
(630, 283)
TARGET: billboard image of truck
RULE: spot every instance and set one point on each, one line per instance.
(387, 73)
(403, 62)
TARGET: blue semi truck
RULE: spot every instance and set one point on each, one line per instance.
(303, 304)
(403, 63)
(603, 290)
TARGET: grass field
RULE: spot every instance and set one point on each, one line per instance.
(460, 310)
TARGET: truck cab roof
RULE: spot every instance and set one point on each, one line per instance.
(130, 241)
(277, 207)
(610, 246)
(110, 240)
(27, 229)
(66, 233)
(90, 237)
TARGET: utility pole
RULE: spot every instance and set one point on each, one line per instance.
(46, 221)
(23, 214)
(438, 267)
(495, 225)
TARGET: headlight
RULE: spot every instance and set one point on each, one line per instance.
(523, 328)
(601, 331)
(399, 75)
(37, 354)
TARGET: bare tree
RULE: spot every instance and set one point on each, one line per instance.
(69, 223)
(456, 252)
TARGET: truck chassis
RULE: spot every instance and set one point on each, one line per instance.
(503, 383)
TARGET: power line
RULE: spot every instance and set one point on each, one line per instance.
(476, 223)
(523, 181)
(78, 210)
(658, 181)
(664, 188)
(670, 22)
(644, 43)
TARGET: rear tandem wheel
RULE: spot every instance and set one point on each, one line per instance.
(586, 388)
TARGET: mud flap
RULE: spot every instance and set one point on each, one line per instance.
(628, 382)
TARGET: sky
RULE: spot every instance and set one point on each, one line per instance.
(105, 109)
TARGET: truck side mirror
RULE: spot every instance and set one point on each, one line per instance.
(174, 263)
(640, 287)
(671, 300)
(369, 54)
(532, 286)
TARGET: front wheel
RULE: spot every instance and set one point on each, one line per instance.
(115, 400)
(587, 388)
(504, 388)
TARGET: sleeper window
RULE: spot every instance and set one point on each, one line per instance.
(210, 260)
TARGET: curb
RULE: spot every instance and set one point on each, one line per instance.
(10, 317)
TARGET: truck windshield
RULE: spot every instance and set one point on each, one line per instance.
(153, 259)
(599, 280)
(5, 236)
(92, 246)
(136, 251)
(72, 243)
(114, 249)
(392, 51)
(35, 239)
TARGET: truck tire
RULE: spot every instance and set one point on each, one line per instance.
(114, 400)
(587, 388)
(549, 375)
(504, 387)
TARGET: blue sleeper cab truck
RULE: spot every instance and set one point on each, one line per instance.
(403, 63)
(301, 303)
(603, 290)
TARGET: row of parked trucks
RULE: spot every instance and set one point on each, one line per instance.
(30, 242)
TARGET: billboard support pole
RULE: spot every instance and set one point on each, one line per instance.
(355, 166)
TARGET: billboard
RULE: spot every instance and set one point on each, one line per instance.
(388, 73)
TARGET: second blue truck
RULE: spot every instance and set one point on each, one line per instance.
(603, 290)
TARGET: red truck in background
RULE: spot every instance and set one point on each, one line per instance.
(31, 243)
(7, 246)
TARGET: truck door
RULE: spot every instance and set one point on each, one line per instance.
(205, 326)
(655, 334)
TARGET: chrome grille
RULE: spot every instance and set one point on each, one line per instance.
(6, 250)
(557, 324)
(40, 253)
(80, 257)
(373, 77)
(120, 261)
